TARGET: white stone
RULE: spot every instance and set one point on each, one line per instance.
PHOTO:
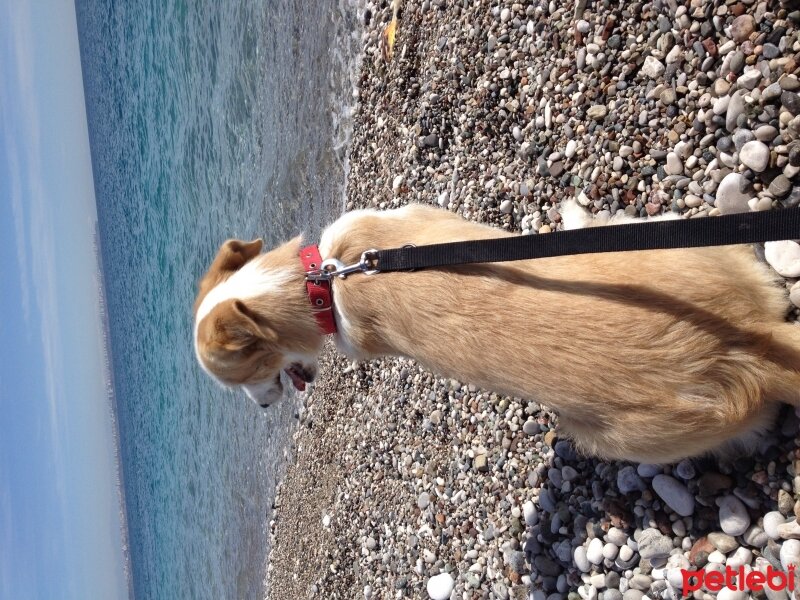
(790, 554)
(784, 257)
(674, 494)
(790, 530)
(506, 207)
(693, 201)
(423, 500)
(579, 556)
(505, 15)
(440, 586)
(772, 520)
(572, 147)
(721, 105)
(730, 199)
(741, 557)
(530, 513)
(397, 182)
(716, 557)
(326, 521)
(652, 67)
(755, 155)
(735, 108)
(674, 165)
(594, 553)
(625, 553)
(749, 80)
(733, 517)
(610, 551)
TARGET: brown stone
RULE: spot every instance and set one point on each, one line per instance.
(652, 208)
(550, 438)
(742, 27)
(710, 46)
(701, 545)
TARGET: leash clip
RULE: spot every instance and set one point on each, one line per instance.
(333, 267)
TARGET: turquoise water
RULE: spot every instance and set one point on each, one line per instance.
(207, 120)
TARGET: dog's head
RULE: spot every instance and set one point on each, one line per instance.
(253, 320)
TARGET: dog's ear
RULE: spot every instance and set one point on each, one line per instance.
(233, 254)
(246, 327)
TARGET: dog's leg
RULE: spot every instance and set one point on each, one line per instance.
(575, 216)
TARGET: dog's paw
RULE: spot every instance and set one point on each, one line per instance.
(574, 216)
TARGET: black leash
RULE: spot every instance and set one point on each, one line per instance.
(744, 228)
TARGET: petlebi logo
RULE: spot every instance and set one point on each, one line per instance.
(739, 580)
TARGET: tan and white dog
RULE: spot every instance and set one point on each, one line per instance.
(646, 356)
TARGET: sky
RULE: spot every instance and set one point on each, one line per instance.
(60, 523)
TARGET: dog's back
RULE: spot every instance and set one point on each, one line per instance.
(646, 355)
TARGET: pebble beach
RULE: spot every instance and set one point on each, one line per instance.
(407, 485)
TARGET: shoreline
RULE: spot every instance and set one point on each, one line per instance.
(498, 113)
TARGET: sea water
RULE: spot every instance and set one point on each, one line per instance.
(208, 120)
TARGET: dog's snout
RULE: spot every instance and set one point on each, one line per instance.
(309, 373)
(265, 393)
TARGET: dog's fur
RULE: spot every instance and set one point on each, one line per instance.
(647, 356)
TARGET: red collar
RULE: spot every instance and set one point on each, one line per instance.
(319, 292)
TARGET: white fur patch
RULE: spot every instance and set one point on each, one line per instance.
(342, 336)
(340, 227)
(251, 281)
(573, 215)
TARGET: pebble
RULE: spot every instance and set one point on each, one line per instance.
(755, 155)
(780, 186)
(594, 552)
(674, 165)
(581, 559)
(440, 586)
(791, 102)
(652, 544)
(790, 554)
(674, 494)
(597, 112)
(685, 468)
(772, 521)
(647, 470)
(628, 481)
(789, 530)
(530, 513)
(784, 257)
(730, 199)
(742, 27)
(733, 517)
(652, 67)
(734, 109)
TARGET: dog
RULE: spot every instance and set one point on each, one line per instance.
(648, 356)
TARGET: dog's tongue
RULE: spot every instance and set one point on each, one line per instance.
(298, 383)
